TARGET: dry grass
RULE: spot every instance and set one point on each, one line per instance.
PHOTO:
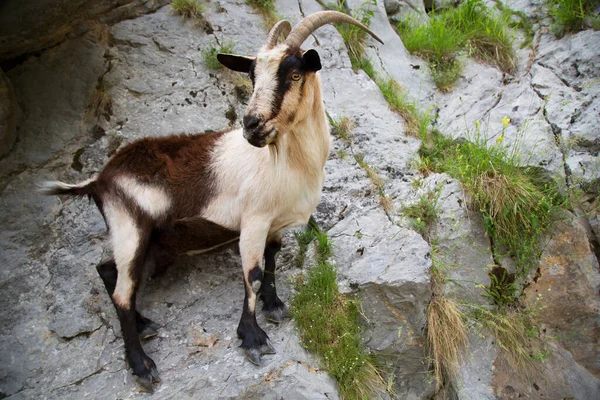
(376, 180)
(342, 127)
(516, 333)
(100, 104)
(188, 9)
(266, 9)
(446, 336)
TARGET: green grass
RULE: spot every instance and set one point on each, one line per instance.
(417, 123)
(188, 9)
(438, 43)
(329, 326)
(209, 54)
(502, 290)
(573, 15)
(423, 213)
(517, 205)
(266, 9)
(470, 27)
(517, 19)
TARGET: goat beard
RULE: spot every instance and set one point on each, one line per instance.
(273, 149)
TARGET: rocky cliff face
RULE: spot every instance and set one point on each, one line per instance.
(121, 70)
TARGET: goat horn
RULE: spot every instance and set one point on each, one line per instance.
(283, 27)
(314, 21)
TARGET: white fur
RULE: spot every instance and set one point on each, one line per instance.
(48, 187)
(267, 64)
(125, 240)
(153, 200)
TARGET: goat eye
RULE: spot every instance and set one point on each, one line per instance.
(296, 77)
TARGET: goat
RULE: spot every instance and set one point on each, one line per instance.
(161, 197)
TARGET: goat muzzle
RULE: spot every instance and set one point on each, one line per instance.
(257, 132)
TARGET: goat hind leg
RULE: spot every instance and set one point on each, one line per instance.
(108, 272)
(130, 237)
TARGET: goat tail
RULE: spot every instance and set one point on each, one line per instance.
(54, 188)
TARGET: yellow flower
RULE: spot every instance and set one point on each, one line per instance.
(505, 121)
(477, 124)
(499, 139)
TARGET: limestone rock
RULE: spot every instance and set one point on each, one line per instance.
(37, 25)
(8, 115)
(400, 10)
(388, 268)
(462, 245)
(568, 282)
(397, 63)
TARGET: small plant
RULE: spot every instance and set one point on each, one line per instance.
(329, 326)
(502, 289)
(188, 9)
(423, 213)
(517, 19)
(266, 9)
(396, 98)
(376, 180)
(304, 238)
(243, 85)
(574, 15)
(354, 37)
(209, 54)
(342, 127)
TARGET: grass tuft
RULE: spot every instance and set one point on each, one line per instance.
(518, 206)
(188, 9)
(423, 213)
(470, 27)
(398, 101)
(342, 127)
(266, 9)
(516, 333)
(446, 337)
(574, 15)
(329, 326)
(376, 180)
(209, 54)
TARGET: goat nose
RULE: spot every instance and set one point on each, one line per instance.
(251, 122)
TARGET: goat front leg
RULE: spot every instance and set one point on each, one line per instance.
(255, 341)
(274, 308)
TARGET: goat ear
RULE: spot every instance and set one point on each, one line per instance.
(312, 61)
(236, 63)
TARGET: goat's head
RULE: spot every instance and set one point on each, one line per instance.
(283, 76)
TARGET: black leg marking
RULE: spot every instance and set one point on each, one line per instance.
(255, 341)
(108, 272)
(274, 308)
(143, 367)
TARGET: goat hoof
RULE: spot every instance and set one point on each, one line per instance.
(267, 349)
(276, 315)
(149, 331)
(253, 355)
(144, 384)
(147, 376)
